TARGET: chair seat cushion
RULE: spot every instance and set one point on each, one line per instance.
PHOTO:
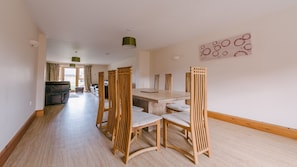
(135, 108)
(178, 107)
(142, 118)
(181, 118)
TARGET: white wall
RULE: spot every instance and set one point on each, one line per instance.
(261, 86)
(40, 76)
(18, 68)
(98, 68)
(143, 77)
(131, 61)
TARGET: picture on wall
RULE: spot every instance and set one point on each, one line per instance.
(231, 47)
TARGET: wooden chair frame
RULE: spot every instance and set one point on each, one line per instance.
(187, 101)
(198, 126)
(124, 128)
(101, 98)
(168, 82)
(156, 81)
(188, 86)
(112, 101)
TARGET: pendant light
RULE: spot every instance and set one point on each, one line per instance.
(129, 42)
(75, 58)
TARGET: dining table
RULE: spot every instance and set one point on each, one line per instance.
(154, 100)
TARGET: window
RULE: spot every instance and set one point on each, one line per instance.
(81, 79)
(75, 76)
(69, 75)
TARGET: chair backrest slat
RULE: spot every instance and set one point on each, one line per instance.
(199, 124)
(188, 86)
(156, 81)
(101, 98)
(112, 99)
(168, 82)
(124, 127)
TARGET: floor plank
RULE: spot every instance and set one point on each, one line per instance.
(67, 136)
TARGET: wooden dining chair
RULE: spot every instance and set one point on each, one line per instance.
(156, 81)
(195, 121)
(102, 106)
(188, 86)
(179, 107)
(168, 82)
(112, 103)
(129, 121)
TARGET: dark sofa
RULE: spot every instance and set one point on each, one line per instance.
(56, 92)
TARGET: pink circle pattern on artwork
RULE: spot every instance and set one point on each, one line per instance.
(231, 47)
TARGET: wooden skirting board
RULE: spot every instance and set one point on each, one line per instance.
(8, 149)
(39, 113)
(266, 127)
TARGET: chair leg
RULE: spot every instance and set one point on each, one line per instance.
(114, 151)
(158, 132)
(208, 153)
(165, 126)
(195, 157)
(126, 159)
(127, 154)
(195, 151)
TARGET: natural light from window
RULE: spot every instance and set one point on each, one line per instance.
(81, 80)
(70, 75)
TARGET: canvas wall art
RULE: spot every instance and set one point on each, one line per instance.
(231, 47)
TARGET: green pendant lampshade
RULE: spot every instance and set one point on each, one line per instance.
(72, 65)
(129, 42)
(75, 59)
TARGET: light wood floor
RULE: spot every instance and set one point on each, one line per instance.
(67, 136)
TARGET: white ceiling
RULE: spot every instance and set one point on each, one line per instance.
(95, 28)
